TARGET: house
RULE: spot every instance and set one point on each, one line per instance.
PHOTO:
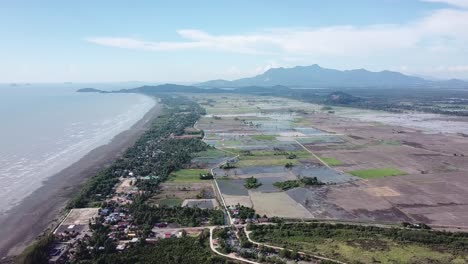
(104, 212)
(161, 225)
(121, 247)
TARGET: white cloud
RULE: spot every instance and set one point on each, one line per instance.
(459, 3)
(129, 43)
(264, 68)
(441, 31)
(453, 69)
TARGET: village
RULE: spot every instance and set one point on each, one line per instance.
(254, 168)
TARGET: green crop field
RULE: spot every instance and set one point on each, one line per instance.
(331, 161)
(263, 137)
(186, 175)
(377, 173)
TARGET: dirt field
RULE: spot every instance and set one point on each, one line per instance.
(182, 191)
(80, 216)
(126, 185)
(201, 203)
(432, 190)
(277, 204)
(237, 199)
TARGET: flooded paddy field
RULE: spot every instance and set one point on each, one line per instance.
(264, 135)
(233, 187)
(324, 174)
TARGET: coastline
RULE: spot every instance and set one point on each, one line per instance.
(41, 210)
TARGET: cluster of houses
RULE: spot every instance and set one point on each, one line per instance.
(238, 220)
(72, 232)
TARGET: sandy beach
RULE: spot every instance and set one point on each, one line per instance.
(41, 210)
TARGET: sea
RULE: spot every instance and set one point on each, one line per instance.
(45, 128)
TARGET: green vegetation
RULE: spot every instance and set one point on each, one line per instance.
(211, 153)
(185, 250)
(227, 166)
(306, 181)
(206, 176)
(145, 214)
(263, 137)
(187, 175)
(366, 244)
(252, 183)
(244, 212)
(286, 185)
(331, 161)
(155, 153)
(377, 173)
(270, 158)
(38, 252)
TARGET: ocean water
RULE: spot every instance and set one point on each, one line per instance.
(46, 128)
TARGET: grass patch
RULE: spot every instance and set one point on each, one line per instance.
(263, 137)
(357, 244)
(377, 173)
(331, 161)
(187, 175)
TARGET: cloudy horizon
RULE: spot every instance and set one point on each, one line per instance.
(164, 43)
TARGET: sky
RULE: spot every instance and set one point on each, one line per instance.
(193, 41)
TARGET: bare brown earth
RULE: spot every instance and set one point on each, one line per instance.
(434, 190)
(181, 190)
(41, 210)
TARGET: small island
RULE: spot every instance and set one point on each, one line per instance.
(89, 90)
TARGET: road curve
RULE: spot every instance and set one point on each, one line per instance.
(225, 255)
(247, 233)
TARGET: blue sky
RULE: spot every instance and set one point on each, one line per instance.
(190, 41)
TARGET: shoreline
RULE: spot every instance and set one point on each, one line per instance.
(42, 209)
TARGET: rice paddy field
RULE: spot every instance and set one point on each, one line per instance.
(373, 171)
(187, 175)
(377, 173)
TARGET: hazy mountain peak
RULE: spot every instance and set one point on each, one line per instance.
(316, 76)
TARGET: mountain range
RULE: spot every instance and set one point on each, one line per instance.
(316, 76)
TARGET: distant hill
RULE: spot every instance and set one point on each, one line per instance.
(316, 76)
(89, 90)
(175, 88)
(341, 98)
